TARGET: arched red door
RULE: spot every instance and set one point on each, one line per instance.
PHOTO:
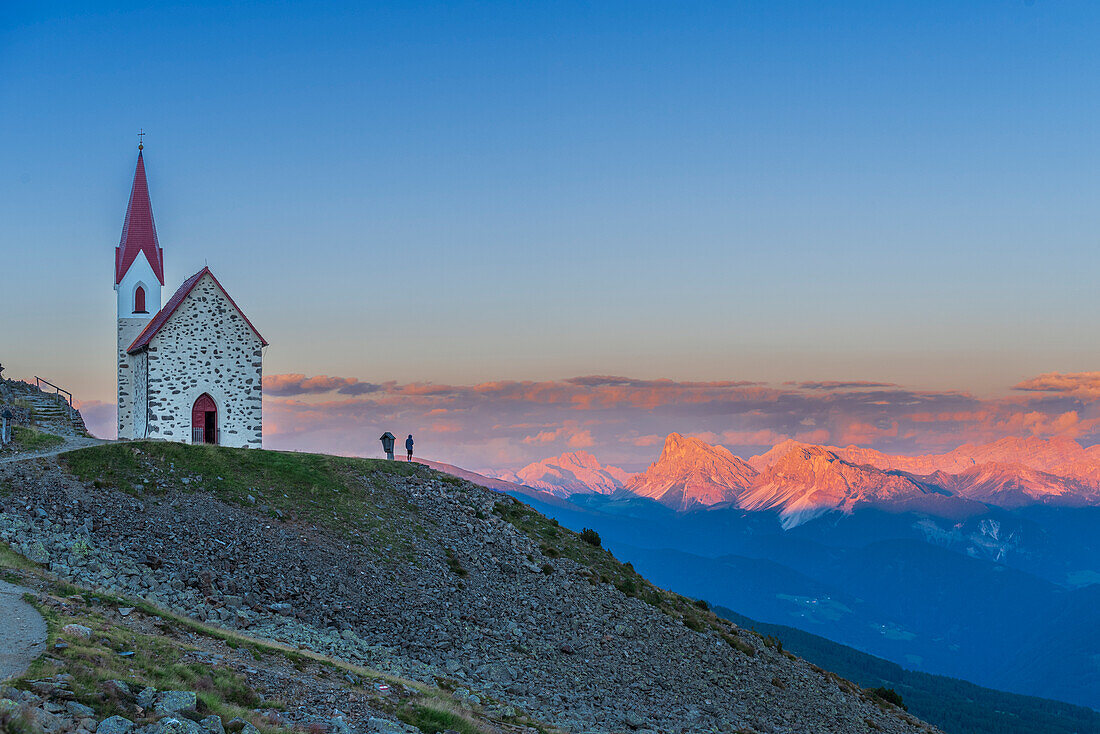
(204, 420)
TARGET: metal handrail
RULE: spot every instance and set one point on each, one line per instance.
(39, 382)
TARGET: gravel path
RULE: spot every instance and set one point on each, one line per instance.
(77, 442)
(22, 631)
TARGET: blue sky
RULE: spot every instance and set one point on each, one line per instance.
(464, 192)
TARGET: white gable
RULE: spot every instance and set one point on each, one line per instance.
(206, 346)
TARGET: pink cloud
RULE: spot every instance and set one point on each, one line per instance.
(863, 434)
(834, 385)
(543, 437)
(298, 384)
(1078, 384)
(818, 435)
(761, 437)
(100, 418)
(581, 440)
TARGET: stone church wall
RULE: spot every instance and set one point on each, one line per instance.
(128, 330)
(139, 364)
(206, 347)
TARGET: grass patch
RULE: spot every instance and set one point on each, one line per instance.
(156, 660)
(694, 623)
(889, 695)
(12, 723)
(11, 559)
(351, 496)
(431, 716)
(455, 564)
(739, 645)
(31, 439)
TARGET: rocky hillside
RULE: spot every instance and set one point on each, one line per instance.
(420, 574)
(120, 666)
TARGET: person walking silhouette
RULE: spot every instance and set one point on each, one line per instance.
(409, 446)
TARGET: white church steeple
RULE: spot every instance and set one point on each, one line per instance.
(139, 277)
(139, 260)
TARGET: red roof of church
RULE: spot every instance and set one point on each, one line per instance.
(174, 302)
(139, 234)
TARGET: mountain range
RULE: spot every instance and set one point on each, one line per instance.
(801, 481)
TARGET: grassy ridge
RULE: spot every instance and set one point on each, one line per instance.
(351, 496)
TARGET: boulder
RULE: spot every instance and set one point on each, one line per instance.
(172, 702)
(37, 552)
(240, 726)
(77, 630)
(79, 710)
(385, 726)
(147, 697)
(181, 725)
(213, 724)
(115, 725)
(118, 687)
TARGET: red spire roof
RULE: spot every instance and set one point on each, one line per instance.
(139, 234)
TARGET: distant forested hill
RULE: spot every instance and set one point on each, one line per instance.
(955, 706)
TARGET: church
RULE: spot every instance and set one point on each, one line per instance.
(192, 369)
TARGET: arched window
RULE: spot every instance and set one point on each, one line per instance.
(139, 300)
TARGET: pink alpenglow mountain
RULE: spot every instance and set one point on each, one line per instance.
(1016, 485)
(692, 473)
(576, 472)
(803, 481)
(1059, 455)
(808, 481)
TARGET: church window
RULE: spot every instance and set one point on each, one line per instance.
(139, 300)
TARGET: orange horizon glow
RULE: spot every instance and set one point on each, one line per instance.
(504, 425)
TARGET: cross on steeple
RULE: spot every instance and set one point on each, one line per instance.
(141, 135)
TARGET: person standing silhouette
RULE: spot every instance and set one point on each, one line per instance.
(409, 446)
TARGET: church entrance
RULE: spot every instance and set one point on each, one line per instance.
(204, 420)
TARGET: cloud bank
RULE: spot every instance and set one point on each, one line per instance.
(505, 424)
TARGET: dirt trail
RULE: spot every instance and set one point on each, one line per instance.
(76, 442)
(22, 631)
